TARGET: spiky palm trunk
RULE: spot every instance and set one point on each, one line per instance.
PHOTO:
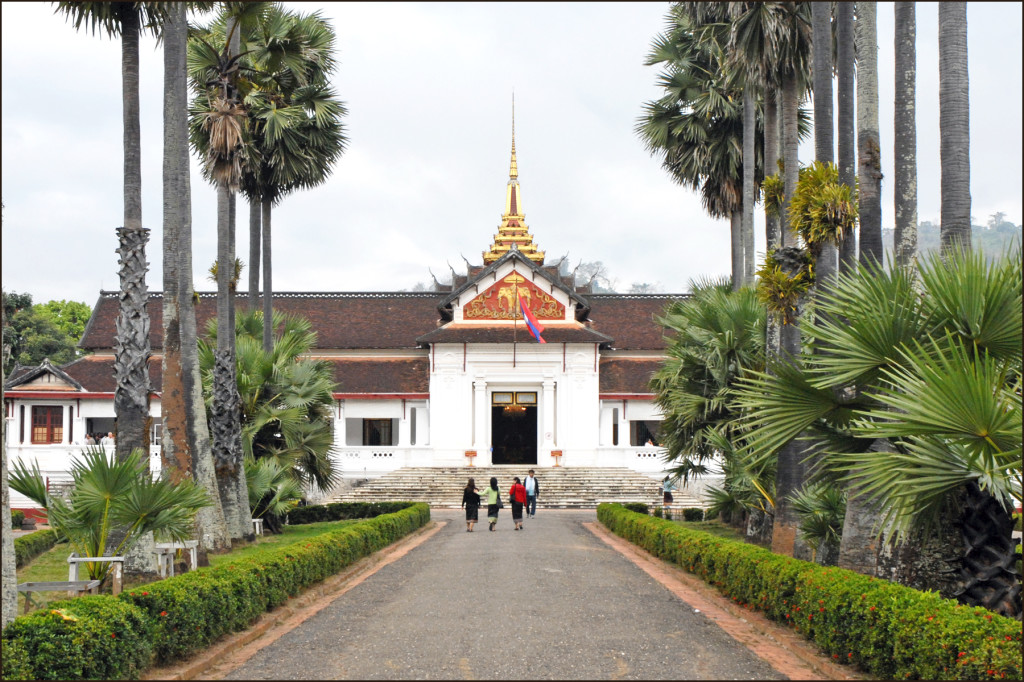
(185, 444)
(954, 129)
(845, 121)
(988, 575)
(10, 577)
(869, 152)
(749, 166)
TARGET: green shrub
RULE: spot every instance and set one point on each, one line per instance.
(638, 507)
(28, 547)
(191, 611)
(659, 512)
(890, 631)
(17, 517)
(340, 511)
(16, 663)
(693, 514)
(94, 637)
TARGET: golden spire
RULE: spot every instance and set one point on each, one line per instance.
(513, 229)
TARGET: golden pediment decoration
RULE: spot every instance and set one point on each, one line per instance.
(499, 301)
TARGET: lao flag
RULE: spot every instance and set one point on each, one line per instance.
(534, 326)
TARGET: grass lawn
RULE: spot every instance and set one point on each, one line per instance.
(52, 565)
(716, 528)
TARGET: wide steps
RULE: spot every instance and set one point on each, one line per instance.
(560, 487)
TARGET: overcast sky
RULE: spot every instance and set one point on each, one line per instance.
(429, 90)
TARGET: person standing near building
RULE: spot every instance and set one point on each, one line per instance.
(471, 502)
(667, 487)
(493, 502)
(517, 496)
(532, 491)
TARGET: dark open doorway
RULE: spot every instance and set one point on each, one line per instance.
(514, 434)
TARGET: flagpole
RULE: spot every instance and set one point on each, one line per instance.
(515, 313)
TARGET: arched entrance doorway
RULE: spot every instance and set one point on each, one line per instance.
(514, 428)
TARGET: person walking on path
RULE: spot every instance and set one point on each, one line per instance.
(471, 502)
(532, 491)
(517, 496)
(493, 502)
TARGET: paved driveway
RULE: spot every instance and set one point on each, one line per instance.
(549, 602)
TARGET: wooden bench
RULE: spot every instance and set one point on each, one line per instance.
(165, 552)
(75, 588)
(74, 561)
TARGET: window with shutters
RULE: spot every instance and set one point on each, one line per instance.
(47, 424)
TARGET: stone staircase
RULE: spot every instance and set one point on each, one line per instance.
(560, 487)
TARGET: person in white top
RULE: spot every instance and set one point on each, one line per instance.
(532, 491)
(107, 439)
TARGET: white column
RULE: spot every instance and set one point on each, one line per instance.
(69, 411)
(480, 418)
(548, 430)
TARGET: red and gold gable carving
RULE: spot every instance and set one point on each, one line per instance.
(499, 301)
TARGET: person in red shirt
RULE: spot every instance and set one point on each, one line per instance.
(517, 495)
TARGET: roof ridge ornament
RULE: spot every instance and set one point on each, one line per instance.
(513, 229)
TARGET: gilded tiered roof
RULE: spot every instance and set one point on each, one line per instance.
(513, 228)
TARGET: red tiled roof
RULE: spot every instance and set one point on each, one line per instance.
(400, 375)
(341, 320)
(454, 333)
(629, 319)
(96, 373)
(622, 375)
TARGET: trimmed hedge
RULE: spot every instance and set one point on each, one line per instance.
(888, 630)
(693, 514)
(342, 511)
(174, 618)
(17, 518)
(88, 638)
(28, 547)
(638, 507)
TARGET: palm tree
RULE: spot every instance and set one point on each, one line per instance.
(939, 360)
(954, 129)
(273, 492)
(794, 69)
(222, 123)
(845, 122)
(185, 442)
(286, 399)
(826, 263)
(905, 136)
(113, 493)
(869, 152)
(131, 360)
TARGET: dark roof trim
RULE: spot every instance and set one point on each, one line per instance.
(44, 368)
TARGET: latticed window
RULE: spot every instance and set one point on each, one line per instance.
(47, 424)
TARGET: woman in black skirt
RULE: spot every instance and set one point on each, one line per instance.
(493, 500)
(471, 502)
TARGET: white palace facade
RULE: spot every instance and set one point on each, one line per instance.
(436, 378)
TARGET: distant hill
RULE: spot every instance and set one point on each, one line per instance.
(993, 240)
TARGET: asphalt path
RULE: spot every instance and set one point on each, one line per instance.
(549, 602)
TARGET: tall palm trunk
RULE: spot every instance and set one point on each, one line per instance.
(185, 444)
(869, 152)
(131, 345)
(772, 230)
(749, 166)
(987, 577)
(10, 577)
(790, 148)
(954, 129)
(827, 264)
(845, 121)
(254, 253)
(225, 411)
(905, 136)
(268, 291)
(736, 231)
